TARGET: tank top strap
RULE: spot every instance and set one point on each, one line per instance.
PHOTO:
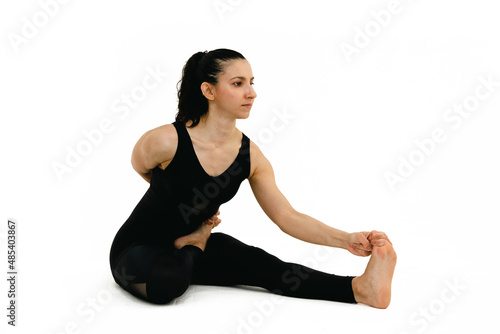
(185, 144)
(184, 154)
(245, 147)
(181, 133)
(244, 155)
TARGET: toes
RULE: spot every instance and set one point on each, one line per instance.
(208, 222)
(378, 242)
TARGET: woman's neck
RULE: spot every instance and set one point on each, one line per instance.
(216, 129)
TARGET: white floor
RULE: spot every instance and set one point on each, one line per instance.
(442, 284)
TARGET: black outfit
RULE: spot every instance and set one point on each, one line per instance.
(178, 200)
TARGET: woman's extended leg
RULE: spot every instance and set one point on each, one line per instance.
(227, 261)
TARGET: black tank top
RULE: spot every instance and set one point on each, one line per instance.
(181, 197)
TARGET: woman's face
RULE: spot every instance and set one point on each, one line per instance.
(234, 93)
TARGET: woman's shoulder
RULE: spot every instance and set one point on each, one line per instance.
(157, 145)
(254, 148)
(258, 161)
(166, 131)
(161, 136)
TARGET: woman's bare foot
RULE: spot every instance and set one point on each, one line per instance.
(199, 237)
(373, 288)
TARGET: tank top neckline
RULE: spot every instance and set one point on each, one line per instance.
(198, 160)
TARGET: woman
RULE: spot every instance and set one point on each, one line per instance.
(196, 164)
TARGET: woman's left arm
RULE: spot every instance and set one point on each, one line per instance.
(294, 223)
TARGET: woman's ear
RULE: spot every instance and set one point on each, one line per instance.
(208, 91)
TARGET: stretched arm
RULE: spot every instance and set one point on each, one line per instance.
(294, 223)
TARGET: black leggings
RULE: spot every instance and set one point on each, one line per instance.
(165, 275)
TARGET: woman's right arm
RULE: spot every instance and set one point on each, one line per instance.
(155, 147)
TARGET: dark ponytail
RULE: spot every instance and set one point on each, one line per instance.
(201, 67)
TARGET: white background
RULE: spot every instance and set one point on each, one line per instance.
(349, 121)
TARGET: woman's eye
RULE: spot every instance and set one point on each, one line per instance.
(239, 83)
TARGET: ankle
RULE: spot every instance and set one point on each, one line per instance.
(183, 241)
(198, 238)
(357, 290)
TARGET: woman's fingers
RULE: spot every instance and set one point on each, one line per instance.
(378, 238)
(216, 216)
(216, 219)
(362, 250)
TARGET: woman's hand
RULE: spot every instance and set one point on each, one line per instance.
(358, 244)
(361, 243)
(214, 220)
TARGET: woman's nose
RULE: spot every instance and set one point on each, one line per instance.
(251, 93)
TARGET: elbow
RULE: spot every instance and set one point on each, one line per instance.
(147, 177)
(134, 161)
(143, 172)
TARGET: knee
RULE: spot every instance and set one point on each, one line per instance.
(159, 299)
(165, 288)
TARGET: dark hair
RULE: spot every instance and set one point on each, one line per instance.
(201, 67)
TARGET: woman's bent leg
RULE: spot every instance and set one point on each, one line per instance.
(154, 274)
